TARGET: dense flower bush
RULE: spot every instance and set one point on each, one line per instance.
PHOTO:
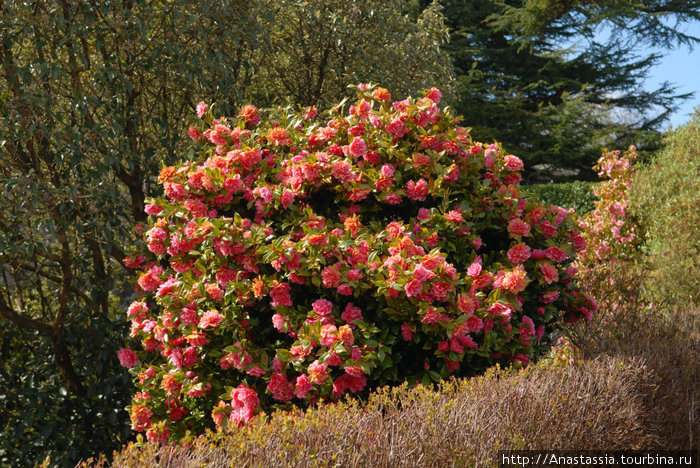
(295, 259)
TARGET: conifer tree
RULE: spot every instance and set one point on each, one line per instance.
(541, 78)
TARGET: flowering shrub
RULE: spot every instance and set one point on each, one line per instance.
(607, 266)
(295, 259)
(609, 232)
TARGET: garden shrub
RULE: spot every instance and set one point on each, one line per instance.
(608, 266)
(294, 259)
(665, 200)
(577, 195)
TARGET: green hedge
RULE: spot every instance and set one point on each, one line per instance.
(577, 195)
(666, 202)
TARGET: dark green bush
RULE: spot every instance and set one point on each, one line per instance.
(577, 195)
(665, 200)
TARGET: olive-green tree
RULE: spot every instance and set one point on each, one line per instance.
(94, 98)
(319, 47)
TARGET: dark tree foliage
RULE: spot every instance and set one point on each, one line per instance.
(534, 75)
(95, 97)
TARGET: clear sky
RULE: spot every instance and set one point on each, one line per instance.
(682, 68)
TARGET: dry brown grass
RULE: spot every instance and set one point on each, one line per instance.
(667, 342)
(599, 404)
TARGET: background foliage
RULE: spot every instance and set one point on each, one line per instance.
(93, 99)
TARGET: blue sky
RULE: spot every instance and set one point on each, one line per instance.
(679, 66)
(682, 67)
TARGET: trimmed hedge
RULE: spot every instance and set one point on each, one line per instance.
(577, 195)
(664, 199)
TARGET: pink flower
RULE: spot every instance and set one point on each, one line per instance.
(549, 272)
(406, 332)
(454, 216)
(137, 310)
(466, 304)
(417, 191)
(475, 268)
(423, 214)
(279, 322)
(201, 109)
(197, 339)
(140, 417)
(518, 227)
(519, 253)
(189, 357)
(287, 198)
(500, 310)
(342, 171)
(513, 163)
(280, 387)
(280, 295)
(317, 372)
(527, 329)
(127, 358)
(149, 281)
(432, 316)
(189, 316)
(328, 335)
(358, 147)
(549, 296)
(420, 159)
(556, 254)
(413, 288)
(422, 274)
(521, 358)
(396, 128)
(393, 199)
(474, 324)
(310, 113)
(322, 307)
(303, 386)
(515, 280)
(278, 136)
(434, 95)
(250, 115)
(354, 371)
(152, 209)
(214, 291)
(193, 133)
(382, 94)
(351, 313)
(210, 318)
(548, 230)
(334, 360)
(244, 397)
(331, 277)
